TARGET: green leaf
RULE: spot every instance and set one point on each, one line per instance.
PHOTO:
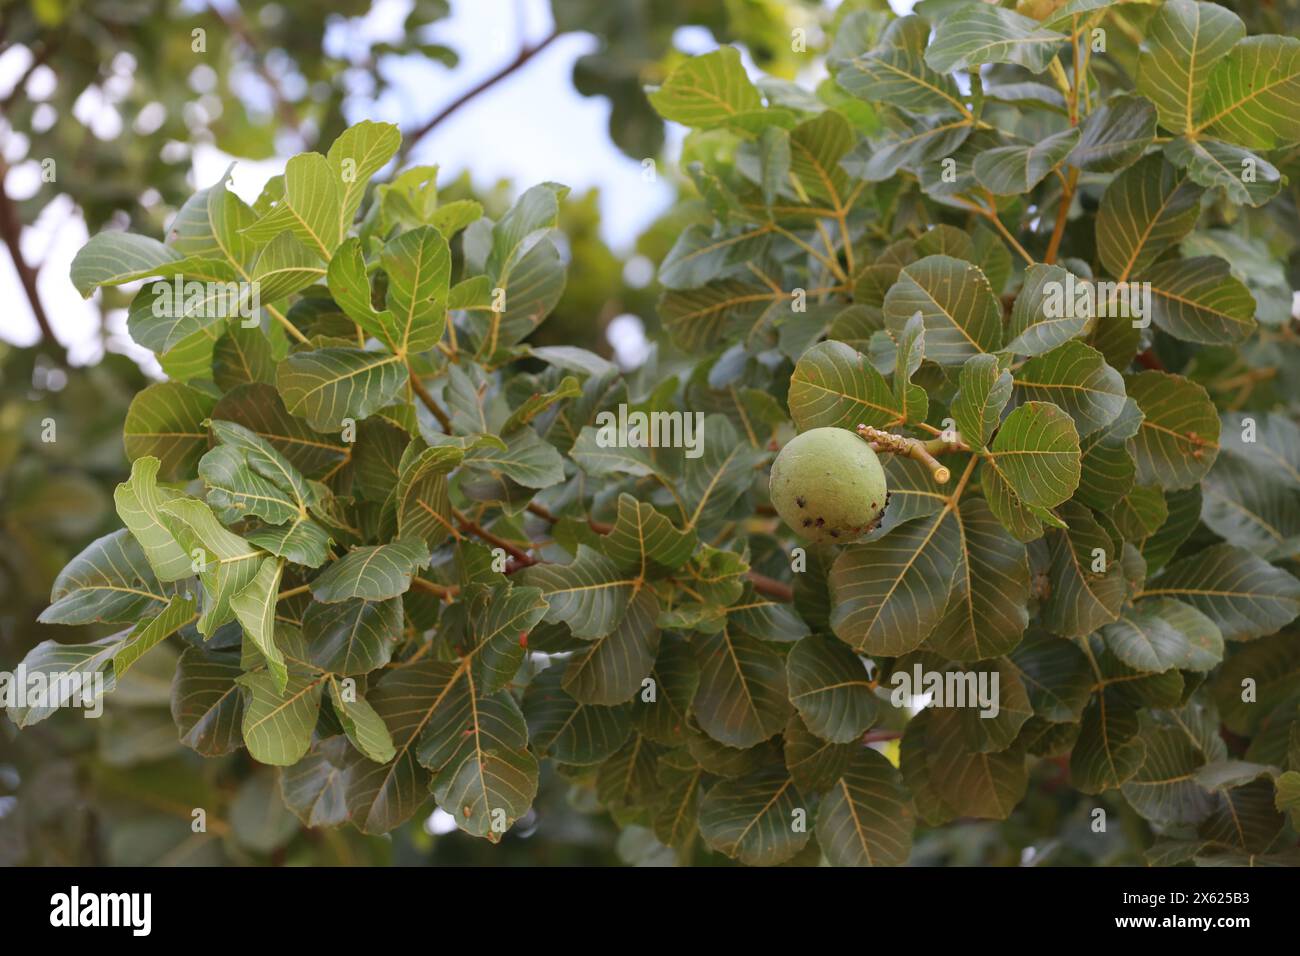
(1159, 633)
(1198, 300)
(867, 818)
(311, 208)
(895, 72)
(242, 356)
(138, 501)
(358, 153)
(829, 687)
(1251, 92)
(1037, 324)
(1178, 440)
(1077, 380)
(206, 702)
(906, 146)
(372, 573)
(610, 670)
(314, 788)
(889, 594)
(742, 697)
(500, 619)
(978, 33)
(815, 764)
(1165, 788)
(1086, 578)
(1115, 134)
(332, 384)
(570, 731)
(961, 314)
(423, 505)
(1056, 674)
(350, 288)
(112, 258)
(676, 676)
(227, 562)
(1247, 179)
(109, 580)
(714, 481)
(150, 632)
(983, 392)
(1245, 596)
(526, 459)
(1109, 750)
(974, 784)
(816, 148)
(590, 594)
(1037, 452)
(1012, 170)
(363, 725)
(752, 818)
(286, 266)
(490, 780)
(352, 637)
(165, 421)
(643, 540)
(698, 319)
(382, 797)
(418, 264)
(1183, 42)
(986, 615)
(1251, 507)
(237, 491)
(254, 606)
(835, 386)
(1145, 210)
(713, 90)
(259, 409)
(278, 718)
(160, 318)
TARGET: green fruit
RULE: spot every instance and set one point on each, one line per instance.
(828, 485)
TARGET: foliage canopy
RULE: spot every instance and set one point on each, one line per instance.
(402, 564)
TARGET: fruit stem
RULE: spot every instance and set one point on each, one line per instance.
(923, 451)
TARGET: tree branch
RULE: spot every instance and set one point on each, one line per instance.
(526, 53)
(922, 451)
(428, 400)
(11, 231)
(761, 582)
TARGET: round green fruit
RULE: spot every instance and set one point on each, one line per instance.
(828, 485)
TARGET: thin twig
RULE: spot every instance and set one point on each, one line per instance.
(469, 526)
(761, 582)
(428, 400)
(11, 231)
(922, 451)
(526, 53)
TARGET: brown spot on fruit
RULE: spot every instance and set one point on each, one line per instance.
(801, 501)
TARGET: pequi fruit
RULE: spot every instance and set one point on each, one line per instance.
(828, 485)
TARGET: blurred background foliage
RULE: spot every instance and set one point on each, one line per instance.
(120, 790)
